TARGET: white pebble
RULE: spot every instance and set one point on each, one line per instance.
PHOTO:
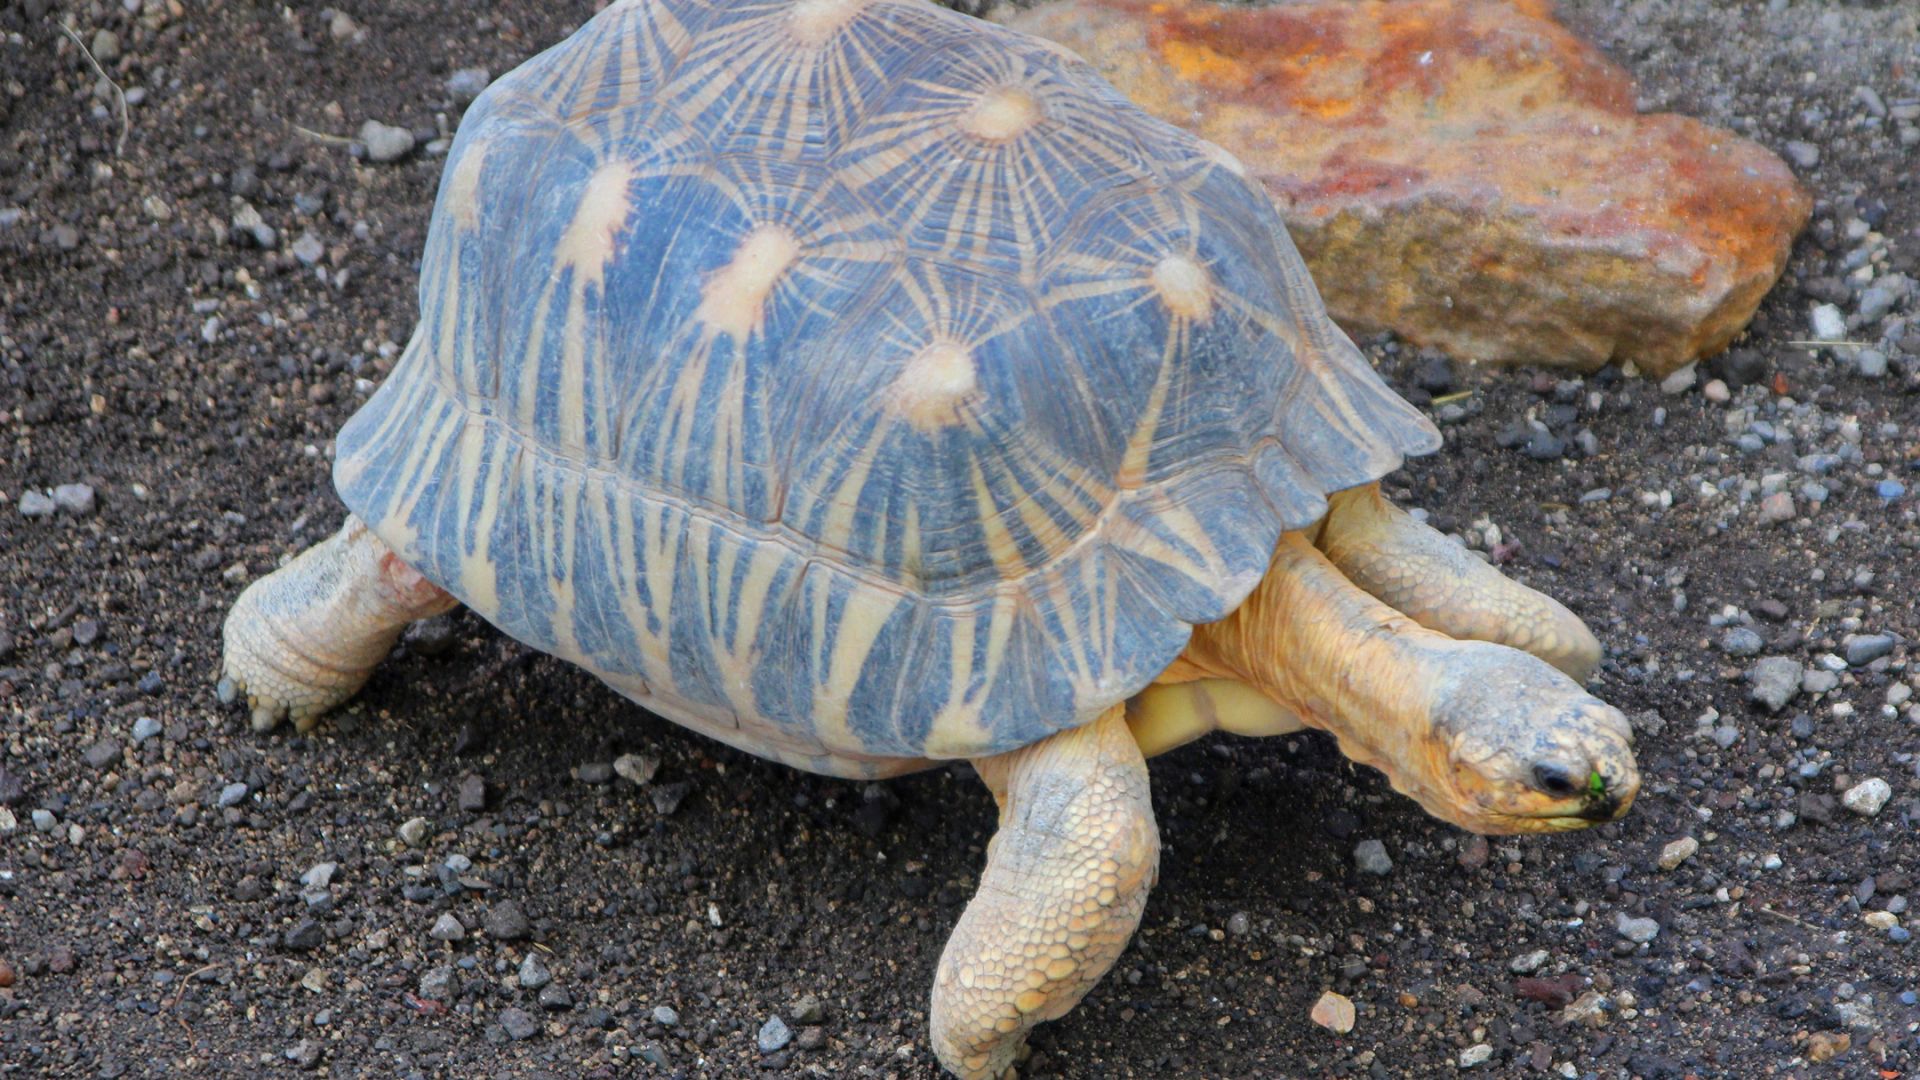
(1867, 797)
(1677, 852)
(1829, 324)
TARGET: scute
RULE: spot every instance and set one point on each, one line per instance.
(862, 385)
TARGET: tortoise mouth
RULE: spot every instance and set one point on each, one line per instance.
(1601, 804)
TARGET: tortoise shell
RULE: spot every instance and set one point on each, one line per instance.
(853, 380)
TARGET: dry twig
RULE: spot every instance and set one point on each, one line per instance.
(119, 95)
(319, 136)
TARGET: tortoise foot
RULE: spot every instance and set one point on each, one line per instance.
(306, 637)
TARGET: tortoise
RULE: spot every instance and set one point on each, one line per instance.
(870, 387)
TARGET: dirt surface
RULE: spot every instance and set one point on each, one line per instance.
(153, 914)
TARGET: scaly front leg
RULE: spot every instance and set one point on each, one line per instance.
(1066, 880)
(1419, 572)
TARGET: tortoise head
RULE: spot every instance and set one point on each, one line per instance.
(1517, 747)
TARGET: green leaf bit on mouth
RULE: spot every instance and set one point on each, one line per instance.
(1596, 784)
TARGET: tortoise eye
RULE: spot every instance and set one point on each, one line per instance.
(1552, 779)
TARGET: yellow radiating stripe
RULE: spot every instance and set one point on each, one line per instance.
(844, 503)
(1000, 543)
(863, 614)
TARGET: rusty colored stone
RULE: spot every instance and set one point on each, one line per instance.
(1466, 173)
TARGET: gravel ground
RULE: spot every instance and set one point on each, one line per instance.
(491, 865)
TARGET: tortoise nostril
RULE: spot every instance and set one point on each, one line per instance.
(1553, 779)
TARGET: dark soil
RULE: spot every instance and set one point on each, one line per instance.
(194, 378)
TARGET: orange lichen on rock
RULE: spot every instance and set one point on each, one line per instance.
(1467, 173)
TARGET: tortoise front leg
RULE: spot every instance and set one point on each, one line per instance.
(1419, 572)
(305, 638)
(1067, 877)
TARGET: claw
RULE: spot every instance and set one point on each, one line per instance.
(266, 718)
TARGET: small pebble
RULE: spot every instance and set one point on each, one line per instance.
(1640, 930)
(1333, 1012)
(1776, 508)
(1477, 1054)
(437, 984)
(103, 753)
(807, 1009)
(232, 794)
(595, 772)
(505, 921)
(75, 499)
(636, 769)
(309, 250)
(534, 973)
(1741, 641)
(665, 1016)
(305, 935)
(467, 83)
(1829, 324)
(1680, 381)
(473, 793)
(305, 1053)
(1371, 857)
(1528, 963)
(518, 1024)
(1815, 681)
(667, 798)
(145, 728)
(1864, 649)
(774, 1035)
(36, 504)
(384, 142)
(247, 226)
(447, 928)
(554, 998)
(413, 832)
(1867, 797)
(1677, 852)
(1774, 681)
(105, 47)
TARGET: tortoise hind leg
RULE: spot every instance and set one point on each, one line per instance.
(1066, 879)
(1442, 586)
(305, 638)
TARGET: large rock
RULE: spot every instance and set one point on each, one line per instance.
(1466, 173)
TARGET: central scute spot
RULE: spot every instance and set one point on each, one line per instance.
(735, 297)
(933, 384)
(1184, 287)
(1002, 114)
(814, 22)
(588, 242)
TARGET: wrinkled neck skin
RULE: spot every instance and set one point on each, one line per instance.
(1323, 685)
(1316, 645)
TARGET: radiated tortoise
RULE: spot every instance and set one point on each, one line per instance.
(866, 386)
